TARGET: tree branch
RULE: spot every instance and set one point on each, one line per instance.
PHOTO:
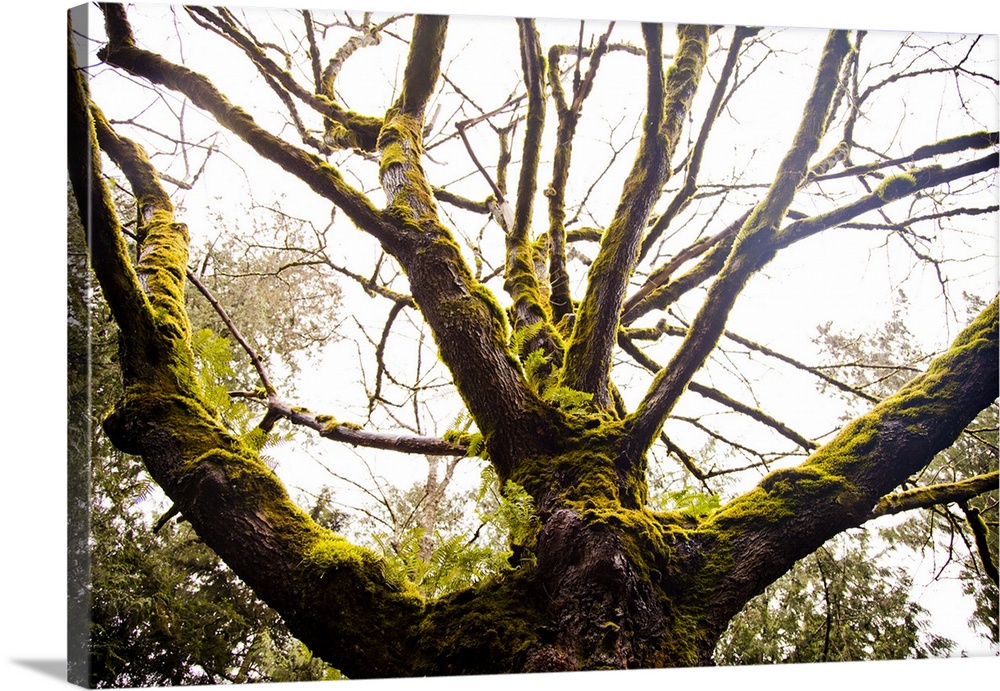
(661, 328)
(354, 129)
(423, 64)
(255, 359)
(530, 309)
(752, 248)
(719, 397)
(684, 195)
(932, 495)
(334, 430)
(982, 535)
(231, 498)
(568, 116)
(668, 102)
(122, 52)
(795, 510)
(106, 244)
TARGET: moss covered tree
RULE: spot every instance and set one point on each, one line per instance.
(545, 322)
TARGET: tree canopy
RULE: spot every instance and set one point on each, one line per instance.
(635, 274)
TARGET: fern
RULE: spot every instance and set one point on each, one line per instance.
(533, 364)
(459, 434)
(523, 336)
(477, 445)
(513, 512)
(567, 398)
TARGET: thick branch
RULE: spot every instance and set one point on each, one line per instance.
(892, 189)
(522, 283)
(658, 291)
(327, 590)
(794, 511)
(981, 533)
(105, 242)
(423, 64)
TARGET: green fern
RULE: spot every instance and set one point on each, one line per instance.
(567, 398)
(459, 434)
(533, 365)
(521, 337)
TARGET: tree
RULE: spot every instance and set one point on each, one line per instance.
(836, 605)
(557, 409)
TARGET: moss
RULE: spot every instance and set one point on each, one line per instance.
(648, 539)
(682, 78)
(896, 187)
(333, 556)
(487, 629)
(656, 544)
(401, 145)
(804, 482)
(423, 63)
(584, 462)
(865, 447)
(976, 140)
(330, 423)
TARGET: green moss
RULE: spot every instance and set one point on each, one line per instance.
(487, 629)
(655, 543)
(423, 63)
(804, 482)
(896, 187)
(333, 556)
(976, 140)
(330, 423)
(401, 145)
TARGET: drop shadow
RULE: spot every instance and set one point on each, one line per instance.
(50, 668)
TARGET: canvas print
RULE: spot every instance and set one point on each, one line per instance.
(412, 345)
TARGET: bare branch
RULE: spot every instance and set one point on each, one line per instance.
(713, 394)
(323, 178)
(329, 428)
(568, 115)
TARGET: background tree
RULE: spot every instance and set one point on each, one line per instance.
(838, 604)
(601, 580)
